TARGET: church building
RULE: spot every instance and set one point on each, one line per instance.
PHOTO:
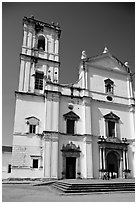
(80, 130)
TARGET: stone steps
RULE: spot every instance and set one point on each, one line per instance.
(98, 187)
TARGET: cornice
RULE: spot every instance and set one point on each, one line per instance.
(39, 58)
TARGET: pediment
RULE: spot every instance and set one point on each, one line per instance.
(107, 61)
(111, 116)
(32, 120)
(71, 115)
(70, 147)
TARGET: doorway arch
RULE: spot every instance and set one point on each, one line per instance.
(113, 164)
(71, 162)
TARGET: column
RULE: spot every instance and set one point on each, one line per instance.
(104, 164)
(100, 160)
(120, 168)
(78, 167)
(126, 159)
(124, 166)
(115, 129)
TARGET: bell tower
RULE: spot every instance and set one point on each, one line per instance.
(39, 59)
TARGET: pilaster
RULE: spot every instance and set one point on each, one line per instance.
(87, 104)
(89, 159)
(27, 76)
(49, 112)
(21, 78)
(55, 112)
(51, 156)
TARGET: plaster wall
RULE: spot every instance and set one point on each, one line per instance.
(27, 173)
(96, 82)
(6, 160)
(27, 106)
(78, 109)
(98, 123)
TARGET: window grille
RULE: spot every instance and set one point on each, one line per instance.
(39, 81)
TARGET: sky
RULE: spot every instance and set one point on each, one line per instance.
(85, 26)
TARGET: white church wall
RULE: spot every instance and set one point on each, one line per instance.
(27, 106)
(25, 148)
(79, 109)
(97, 77)
(101, 109)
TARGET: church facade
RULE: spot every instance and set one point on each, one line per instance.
(80, 130)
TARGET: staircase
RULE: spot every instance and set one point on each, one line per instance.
(68, 187)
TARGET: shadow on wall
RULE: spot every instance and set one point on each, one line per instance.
(96, 119)
(119, 128)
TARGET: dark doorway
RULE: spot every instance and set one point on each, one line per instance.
(112, 165)
(70, 167)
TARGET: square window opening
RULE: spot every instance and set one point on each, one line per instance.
(32, 129)
(35, 163)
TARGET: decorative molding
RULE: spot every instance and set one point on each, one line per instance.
(111, 116)
(71, 115)
(70, 150)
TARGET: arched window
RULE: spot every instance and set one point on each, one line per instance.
(41, 43)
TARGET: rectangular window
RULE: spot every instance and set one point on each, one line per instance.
(32, 129)
(70, 126)
(39, 81)
(111, 129)
(35, 163)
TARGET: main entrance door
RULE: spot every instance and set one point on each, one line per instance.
(112, 165)
(70, 167)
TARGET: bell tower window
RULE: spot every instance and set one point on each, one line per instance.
(109, 86)
(41, 43)
(39, 80)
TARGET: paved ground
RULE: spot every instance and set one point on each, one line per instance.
(29, 193)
